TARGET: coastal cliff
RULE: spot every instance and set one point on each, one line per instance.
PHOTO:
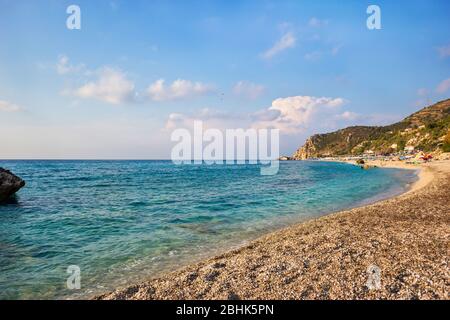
(427, 130)
(308, 150)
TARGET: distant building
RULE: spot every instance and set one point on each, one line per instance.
(409, 149)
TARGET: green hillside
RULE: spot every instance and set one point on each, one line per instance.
(427, 130)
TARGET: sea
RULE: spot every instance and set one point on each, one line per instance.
(111, 224)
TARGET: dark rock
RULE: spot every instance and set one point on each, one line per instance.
(233, 296)
(191, 277)
(219, 265)
(212, 276)
(9, 184)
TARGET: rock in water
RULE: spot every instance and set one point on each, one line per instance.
(9, 184)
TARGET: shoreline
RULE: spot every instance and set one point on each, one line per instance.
(233, 275)
(425, 176)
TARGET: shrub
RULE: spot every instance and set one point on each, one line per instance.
(446, 145)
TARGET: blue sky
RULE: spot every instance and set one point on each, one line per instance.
(138, 69)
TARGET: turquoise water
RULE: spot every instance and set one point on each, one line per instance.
(124, 221)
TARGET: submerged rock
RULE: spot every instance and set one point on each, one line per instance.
(9, 184)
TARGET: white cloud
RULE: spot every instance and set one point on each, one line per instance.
(112, 86)
(6, 106)
(291, 115)
(63, 66)
(287, 41)
(444, 51)
(294, 114)
(315, 22)
(179, 89)
(444, 86)
(347, 115)
(422, 91)
(313, 56)
(318, 54)
(248, 89)
(335, 49)
(211, 119)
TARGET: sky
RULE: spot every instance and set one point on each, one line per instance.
(137, 70)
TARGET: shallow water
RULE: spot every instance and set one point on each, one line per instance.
(124, 221)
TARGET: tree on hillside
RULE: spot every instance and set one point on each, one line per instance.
(446, 146)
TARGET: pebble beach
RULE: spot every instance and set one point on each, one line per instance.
(405, 238)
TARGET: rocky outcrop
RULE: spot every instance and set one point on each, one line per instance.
(9, 184)
(308, 150)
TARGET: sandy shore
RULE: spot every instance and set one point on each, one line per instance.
(406, 238)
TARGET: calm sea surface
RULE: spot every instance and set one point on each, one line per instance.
(124, 221)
